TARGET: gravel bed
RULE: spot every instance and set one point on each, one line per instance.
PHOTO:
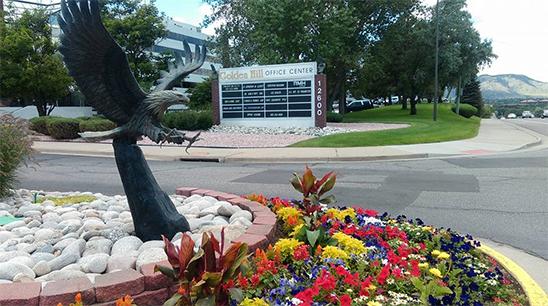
(252, 137)
(49, 242)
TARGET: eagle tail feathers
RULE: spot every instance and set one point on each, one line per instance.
(103, 135)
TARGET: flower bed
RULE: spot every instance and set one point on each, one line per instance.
(354, 256)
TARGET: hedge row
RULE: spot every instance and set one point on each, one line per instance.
(189, 120)
(465, 110)
(68, 128)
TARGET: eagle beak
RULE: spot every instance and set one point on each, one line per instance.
(184, 100)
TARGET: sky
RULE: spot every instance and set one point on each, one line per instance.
(518, 30)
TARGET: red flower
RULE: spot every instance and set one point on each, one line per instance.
(242, 281)
(352, 279)
(415, 270)
(326, 281)
(383, 275)
(301, 253)
(371, 212)
(307, 295)
(345, 300)
(255, 280)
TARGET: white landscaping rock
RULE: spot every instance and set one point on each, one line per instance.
(242, 214)
(151, 255)
(121, 262)
(41, 268)
(62, 275)
(9, 270)
(96, 263)
(62, 261)
(6, 235)
(98, 246)
(126, 244)
(24, 260)
(151, 244)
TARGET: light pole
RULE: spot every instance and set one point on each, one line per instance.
(436, 76)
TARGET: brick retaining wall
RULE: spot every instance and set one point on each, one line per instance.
(146, 287)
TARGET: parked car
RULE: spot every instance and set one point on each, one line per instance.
(527, 114)
(359, 105)
(545, 114)
(511, 116)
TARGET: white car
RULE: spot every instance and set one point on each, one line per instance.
(527, 114)
(511, 116)
(545, 114)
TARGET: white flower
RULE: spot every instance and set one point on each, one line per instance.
(296, 301)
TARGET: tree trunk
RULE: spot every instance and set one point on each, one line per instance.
(342, 98)
(41, 107)
(413, 110)
(404, 103)
(153, 212)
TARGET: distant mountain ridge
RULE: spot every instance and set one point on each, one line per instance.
(511, 86)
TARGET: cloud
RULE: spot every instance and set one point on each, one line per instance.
(196, 19)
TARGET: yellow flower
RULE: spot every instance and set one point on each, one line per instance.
(253, 302)
(287, 246)
(290, 215)
(435, 253)
(443, 255)
(435, 272)
(427, 228)
(296, 230)
(334, 252)
(349, 244)
(373, 303)
(341, 214)
(424, 265)
(371, 287)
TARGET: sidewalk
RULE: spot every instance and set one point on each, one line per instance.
(494, 136)
(535, 266)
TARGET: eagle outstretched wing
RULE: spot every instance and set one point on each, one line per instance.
(97, 62)
(179, 70)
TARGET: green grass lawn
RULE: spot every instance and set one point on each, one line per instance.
(422, 130)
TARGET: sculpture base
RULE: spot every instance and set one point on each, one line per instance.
(151, 208)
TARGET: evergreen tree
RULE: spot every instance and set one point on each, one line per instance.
(471, 94)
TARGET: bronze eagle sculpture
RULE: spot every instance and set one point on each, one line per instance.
(101, 70)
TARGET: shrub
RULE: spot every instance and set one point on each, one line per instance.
(334, 117)
(200, 96)
(486, 111)
(189, 120)
(15, 148)
(96, 124)
(39, 124)
(63, 128)
(465, 110)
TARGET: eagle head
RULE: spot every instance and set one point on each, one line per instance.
(158, 101)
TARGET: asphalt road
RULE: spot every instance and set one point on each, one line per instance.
(500, 197)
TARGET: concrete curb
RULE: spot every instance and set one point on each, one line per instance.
(535, 294)
(530, 132)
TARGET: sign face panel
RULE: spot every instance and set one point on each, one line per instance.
(271, 96)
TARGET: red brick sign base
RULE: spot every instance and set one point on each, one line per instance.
(146, 287)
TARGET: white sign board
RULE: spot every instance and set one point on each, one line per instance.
(269, 96)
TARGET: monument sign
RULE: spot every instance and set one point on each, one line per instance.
(271, 96)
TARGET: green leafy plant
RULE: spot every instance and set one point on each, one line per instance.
(334, 117)
(205, 276)
(313, 189)
(63, 128)
(96, 124)
(39, 124)
(465, 110)
(15, 148)
(189, 120)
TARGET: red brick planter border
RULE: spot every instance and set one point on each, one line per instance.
(145, 287)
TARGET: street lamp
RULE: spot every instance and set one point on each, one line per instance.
(436, 76)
